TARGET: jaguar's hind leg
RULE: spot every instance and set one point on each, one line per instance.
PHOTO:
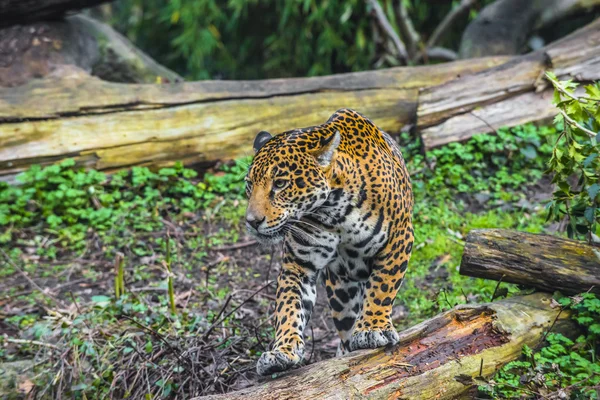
(374, 328)
(345, 301)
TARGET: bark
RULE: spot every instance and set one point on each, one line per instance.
(109, 126)
(436, 359)
(507, 95)
(503, 27)
(14, 12)
(36, 50)
(541, 261)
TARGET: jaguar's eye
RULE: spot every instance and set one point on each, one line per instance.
(280, 184)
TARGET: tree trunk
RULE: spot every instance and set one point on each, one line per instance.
(544, 262)
(503, 27)
(38, 49)
(14, 12)
(508, 95)
(436, 359)
(109, 126)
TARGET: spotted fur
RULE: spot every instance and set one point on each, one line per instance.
(339, 197)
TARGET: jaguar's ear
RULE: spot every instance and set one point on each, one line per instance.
(260, 139)
(329, 145)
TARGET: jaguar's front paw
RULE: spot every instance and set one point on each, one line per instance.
(277, 361)
(372, 339)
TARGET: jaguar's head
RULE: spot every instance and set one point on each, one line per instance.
(288, 179)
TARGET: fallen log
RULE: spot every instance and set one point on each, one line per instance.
(14, 12)
(544, 262)
(511, 94)
(435, 359)
(110, 126)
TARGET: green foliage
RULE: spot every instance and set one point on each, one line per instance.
(142, 204)
(492, 164)
(250, 39)
(564, 368)
(71, 203)
(575, 162)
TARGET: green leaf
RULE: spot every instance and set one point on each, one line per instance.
(556, 99)
(589, 214)
(593, 191)
(529, 152)
(100, 299)
(590, 159)
(592, 91)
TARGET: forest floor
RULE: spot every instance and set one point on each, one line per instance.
(65, 331)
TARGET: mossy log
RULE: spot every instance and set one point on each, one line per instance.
(436, 359)
(109, 126)
(541, 261)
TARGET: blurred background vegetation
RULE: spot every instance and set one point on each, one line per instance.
(253, 39)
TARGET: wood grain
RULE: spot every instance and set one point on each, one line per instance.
(544, 262)
(428, 359)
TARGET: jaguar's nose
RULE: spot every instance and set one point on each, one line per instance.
(253, 221)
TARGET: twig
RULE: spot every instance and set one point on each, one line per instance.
(31, 342)
(388, 29)
(312, 350)
(235, 246)
(235, 309)
(497, 286)
(175, 351)
(447, 22)
(484, 121)
(53, 290)
(440, 53)
(551, 327)
(564, 91)
(148, 289)
(227, 300)
(575, 123)
(446, 298)
(27, 278)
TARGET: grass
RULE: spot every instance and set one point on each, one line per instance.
(191, 279)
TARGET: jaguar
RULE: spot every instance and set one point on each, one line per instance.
(338, 197)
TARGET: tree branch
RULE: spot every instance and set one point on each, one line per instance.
(440, 53)
(31, 342)
(448, 21)
(389, 30)
(572, 122)
(407, 29)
